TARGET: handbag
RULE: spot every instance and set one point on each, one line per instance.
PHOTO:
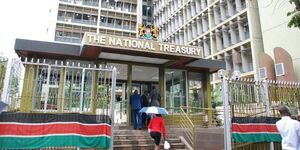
(166, 145)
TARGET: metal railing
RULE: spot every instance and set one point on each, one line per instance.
(191, 118)
(66, 87)
(247, 97)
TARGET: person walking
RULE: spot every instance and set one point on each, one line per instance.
(289, 130)
(136, 103)
(145, 103)
(157, 128)
(155, 97)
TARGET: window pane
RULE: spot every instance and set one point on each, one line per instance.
(196, 97)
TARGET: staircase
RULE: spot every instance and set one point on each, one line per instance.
(125, 138)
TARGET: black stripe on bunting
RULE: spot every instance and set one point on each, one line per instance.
(247, 120)
(47, 118)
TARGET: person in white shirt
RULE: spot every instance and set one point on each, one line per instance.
(289, 130)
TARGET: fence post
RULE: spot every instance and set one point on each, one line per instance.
(227, 123)
(112, 106)
(267, 105)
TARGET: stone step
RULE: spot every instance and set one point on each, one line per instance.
(142, 141)
(174, 146)
(131, 137)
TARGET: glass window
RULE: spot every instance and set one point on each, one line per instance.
(133, 8)
(60, 13)
(144, 10)
(196, 97)
(77, 16)
(76, 35)
(86, 17)
(119, 5)
(111, 5)
(119, 22)
(126, 7)
(103, 19)
(59, 33)
(104, 4)
(175, 88)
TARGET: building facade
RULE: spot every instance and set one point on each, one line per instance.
(228, 30)
(276, 33)
(72, 18)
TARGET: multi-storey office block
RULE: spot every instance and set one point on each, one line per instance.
(227, 30)
(75, 17)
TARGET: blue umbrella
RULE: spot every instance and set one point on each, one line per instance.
(2, 106)
(153, 110)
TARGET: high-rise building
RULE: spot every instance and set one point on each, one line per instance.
(228, 30)
(113, 17)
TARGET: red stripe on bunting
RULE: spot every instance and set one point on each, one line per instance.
(56, 128)
(254, 128)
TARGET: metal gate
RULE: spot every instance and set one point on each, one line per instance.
(251, 98)
(68, 87)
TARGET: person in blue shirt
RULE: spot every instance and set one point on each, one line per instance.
(136, 104)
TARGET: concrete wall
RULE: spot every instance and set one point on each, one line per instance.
(274, 20)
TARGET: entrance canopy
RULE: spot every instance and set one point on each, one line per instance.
(108, 47)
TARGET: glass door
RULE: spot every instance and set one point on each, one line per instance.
(175, 88)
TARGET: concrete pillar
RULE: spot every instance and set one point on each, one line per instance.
(225, 37)
(238, 4)
(171, 7)
(206, 46)
(233, 32)
(176, 38)
(241, 29)
(186, 34)
(198, 6)
(169, 27)
(203, 4)
(188, 12)
(228, 61)
(223, 12)
(176, 21)
(181, 37)
(217, 14)
(194, 29)
(213, 46)
(244, 59)
(235, 54)
(199, 26)
(193, 8)
(175, 5)
(219, 40)
(190, 35)
(204, 22)
(180, 18)
(179, 3)
(230, 7)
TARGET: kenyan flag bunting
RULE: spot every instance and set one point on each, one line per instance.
(40, 130)
(255, 129)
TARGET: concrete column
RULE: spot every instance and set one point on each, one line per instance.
(225, 37)
(194, 29)
(169, 9)
(203, 4)
(189, 36)
(186, 34)
(216, 14)
(180, 18)
(204, 23)
(193, 8)
(233, 32)
(198, 6)
(176, 38)
(188, 12)
(238, 4)
(228, 61)
(213, 46)
(171, 6)
(223, 12)
(172, 25)
(181, 37)
(219, 40)
(244, 59)
(169, 27)
(230, 7)
(234, 61)
(199, 26)
(176, 21)
(129, 92)
(179, 3)
(241, 29)
(206, 46)
(175, 5)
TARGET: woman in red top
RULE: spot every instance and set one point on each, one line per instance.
(157, 127)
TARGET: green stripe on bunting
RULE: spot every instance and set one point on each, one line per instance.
(256, 137)
(54, 141)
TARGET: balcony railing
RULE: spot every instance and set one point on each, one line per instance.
(110, 25)
(80, 2)
(72, 20)
(68, 39)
